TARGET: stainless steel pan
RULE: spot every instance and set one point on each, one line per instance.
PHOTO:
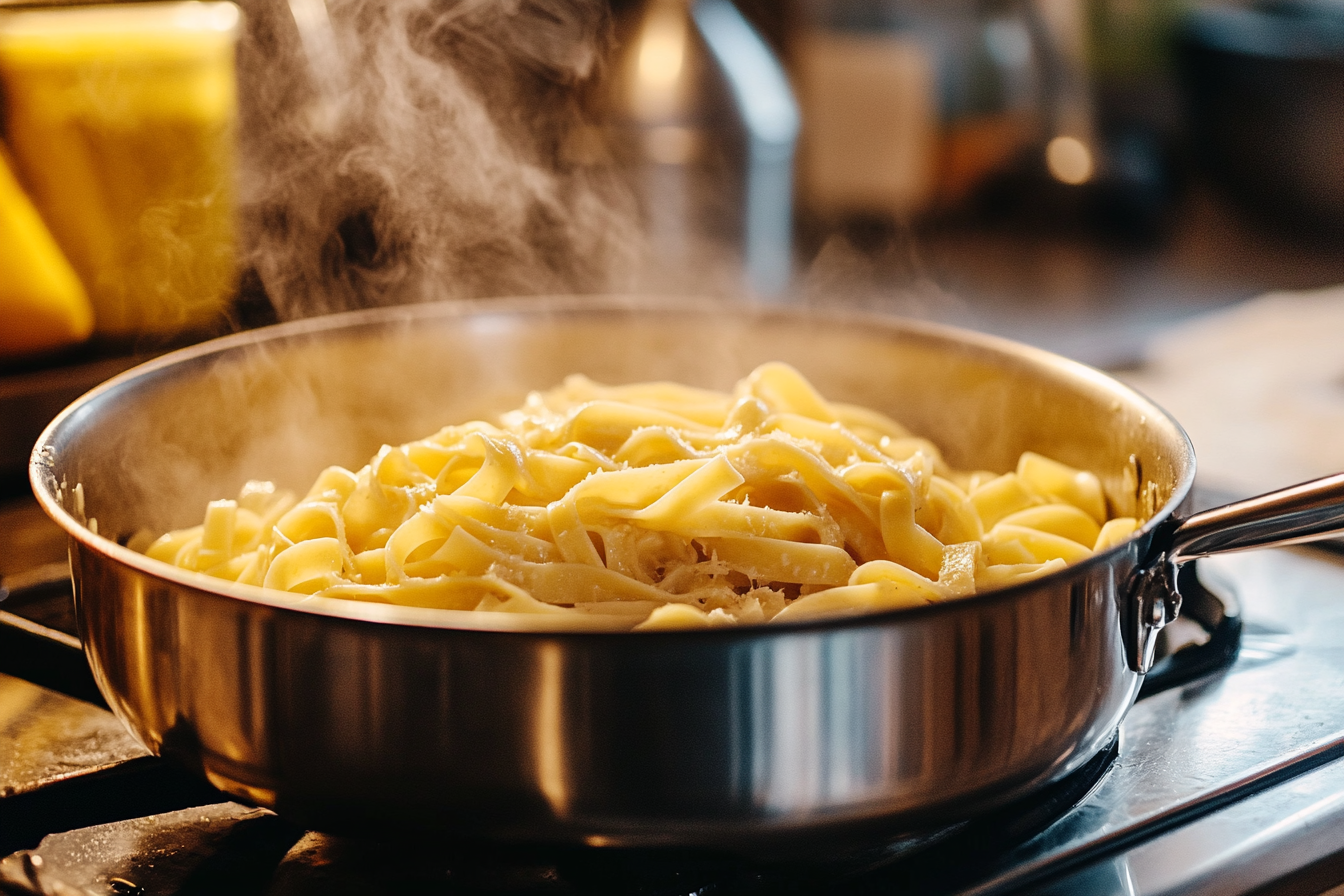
(345, 715)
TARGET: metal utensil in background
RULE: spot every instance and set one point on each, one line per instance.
(765, 101)
(702, 114)
(322, 52)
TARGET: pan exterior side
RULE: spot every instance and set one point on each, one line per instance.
(341, 724)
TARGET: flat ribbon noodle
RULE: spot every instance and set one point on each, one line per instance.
(658, 505)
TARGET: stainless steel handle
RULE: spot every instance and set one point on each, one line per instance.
(1310, 511)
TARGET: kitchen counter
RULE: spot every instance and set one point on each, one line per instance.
(1096, 300)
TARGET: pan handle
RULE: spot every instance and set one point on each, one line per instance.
(1307, 512)
(1211, 603)
(1310, 511)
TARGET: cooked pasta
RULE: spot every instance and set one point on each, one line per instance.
(659, 506)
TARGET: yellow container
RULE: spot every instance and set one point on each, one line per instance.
(122, 122)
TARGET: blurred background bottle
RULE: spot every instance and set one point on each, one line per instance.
(925, 107)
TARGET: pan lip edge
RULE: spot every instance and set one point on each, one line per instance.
(42, 476)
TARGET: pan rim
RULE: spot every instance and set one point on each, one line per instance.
(43, 480)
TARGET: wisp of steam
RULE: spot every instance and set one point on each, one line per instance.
(406, 150)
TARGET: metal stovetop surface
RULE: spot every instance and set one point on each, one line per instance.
(1230, 782)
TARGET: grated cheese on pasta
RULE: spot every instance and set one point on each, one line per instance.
(659, 506)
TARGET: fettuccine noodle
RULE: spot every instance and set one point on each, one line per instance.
(663, 505)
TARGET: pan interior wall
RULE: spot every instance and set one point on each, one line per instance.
(151, 452)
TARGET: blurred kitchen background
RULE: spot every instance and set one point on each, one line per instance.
(1154, 187)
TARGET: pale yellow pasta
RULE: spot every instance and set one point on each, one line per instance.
(656, 506)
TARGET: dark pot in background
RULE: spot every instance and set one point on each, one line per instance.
(1264, 92)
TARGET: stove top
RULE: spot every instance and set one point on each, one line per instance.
(1232, 781)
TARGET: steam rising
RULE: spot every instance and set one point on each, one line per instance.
(418, 149)
(882, 271)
